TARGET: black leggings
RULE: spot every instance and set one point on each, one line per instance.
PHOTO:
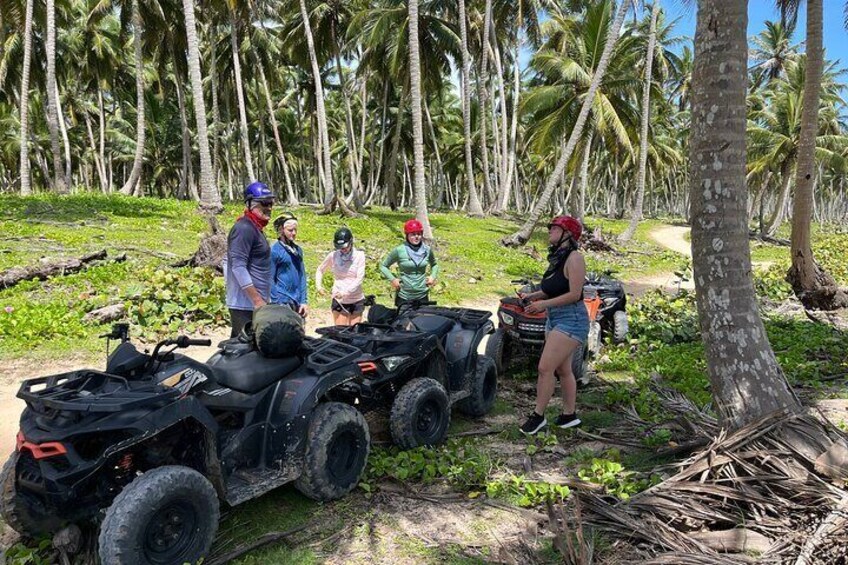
(239, 319)
(401, 301)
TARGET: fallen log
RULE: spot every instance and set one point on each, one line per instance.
(15, 275)
(106, 314)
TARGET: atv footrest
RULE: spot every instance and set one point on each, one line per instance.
(245, 484)
(328, 354)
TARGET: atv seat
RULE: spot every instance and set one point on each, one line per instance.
(252, 372)
(437, 325)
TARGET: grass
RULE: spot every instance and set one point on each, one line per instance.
(45, 320)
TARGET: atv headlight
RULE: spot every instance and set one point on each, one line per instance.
(393, 362)
(507, 319)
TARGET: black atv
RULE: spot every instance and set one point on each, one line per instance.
(148, 447)
(417, 362)
(520, 335)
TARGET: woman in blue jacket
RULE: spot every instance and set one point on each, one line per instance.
(288, 273)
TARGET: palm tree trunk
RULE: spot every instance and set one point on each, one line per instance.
(474, 206)
(636, 216)
(374, 173)
(503, 184)
(391, 171)
(739, 357)
(26, 180)
(580, 208)
(242, 108)
(210, 198)
(513, 133)
(419, 189)
(59, 184)
(186, 182)
(98, 164)
(66, 141)
(101, 122)
(812, 285)
(482, 90)
(216, 111)
(292, 197)
(329, 190)
(353, 155)
(135, 174)
(439, 163)
(782, 199)
(523, 234)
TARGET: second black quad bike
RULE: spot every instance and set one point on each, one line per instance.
(147, 449)
(419, 361)
(520, 335)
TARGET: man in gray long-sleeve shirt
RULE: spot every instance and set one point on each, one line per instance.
(248, 266)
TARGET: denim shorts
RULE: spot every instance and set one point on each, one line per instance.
(571, 319)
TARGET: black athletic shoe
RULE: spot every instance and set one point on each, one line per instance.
(533, 424)
(567, 421)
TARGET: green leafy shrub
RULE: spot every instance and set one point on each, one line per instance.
(659, 317)
(615, 479)
(771, 283)
(167, 301)
(460, 462)
(522, 492)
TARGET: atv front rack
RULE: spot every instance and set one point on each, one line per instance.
(327, 355)
(92, 391)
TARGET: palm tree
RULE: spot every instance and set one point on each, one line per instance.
(235, 19)
(814, 287)
(26, 187)
(59, 184)
(739, 357)
(636, 216)
(773, 48)
(419, 187)
(526, 230)
(210, 198)
(474, 206)
(130, 186)
(329, 190)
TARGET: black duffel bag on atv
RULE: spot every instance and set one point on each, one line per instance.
(278, 331)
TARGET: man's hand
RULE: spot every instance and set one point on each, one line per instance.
(255, 298)
(303, 310)
(396, 284)
(431, 281)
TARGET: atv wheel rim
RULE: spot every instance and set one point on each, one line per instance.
(429, 420)
(171, 533)
(342, 458)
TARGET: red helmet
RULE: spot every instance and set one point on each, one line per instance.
(568, 224)
(412, 226)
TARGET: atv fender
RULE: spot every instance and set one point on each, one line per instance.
(461, 351)
(298, 395)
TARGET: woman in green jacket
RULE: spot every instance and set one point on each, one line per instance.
(412, 282)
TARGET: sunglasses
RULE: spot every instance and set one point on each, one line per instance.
(266, 203)
(417, 234)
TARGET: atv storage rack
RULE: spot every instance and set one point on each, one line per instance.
(92, 391)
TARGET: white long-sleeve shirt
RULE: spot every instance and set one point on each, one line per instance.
(347, 275)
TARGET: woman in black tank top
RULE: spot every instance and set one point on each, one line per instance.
(561, 296)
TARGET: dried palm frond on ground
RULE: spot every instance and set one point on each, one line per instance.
(767, 489)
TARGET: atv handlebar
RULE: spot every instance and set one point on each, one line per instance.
(185, 341)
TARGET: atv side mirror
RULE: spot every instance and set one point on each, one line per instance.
(119, 331)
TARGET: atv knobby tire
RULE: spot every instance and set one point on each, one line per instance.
(337, 446)
(484, 388)
(620, 326)
(420, 414)
(167, 515)
(498, 349)
(20, 512)
(580, 365)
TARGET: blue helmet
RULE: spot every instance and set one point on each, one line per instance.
(257, 191)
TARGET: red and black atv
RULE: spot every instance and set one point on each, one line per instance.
(520, 335)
